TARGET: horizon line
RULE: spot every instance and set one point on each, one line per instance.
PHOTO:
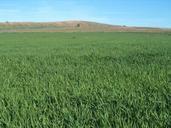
(157, 27)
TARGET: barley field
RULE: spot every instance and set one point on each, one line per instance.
(85, 80)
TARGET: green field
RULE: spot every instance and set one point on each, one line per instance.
(83, 80)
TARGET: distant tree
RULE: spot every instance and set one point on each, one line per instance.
(78, 25)
(7, 22)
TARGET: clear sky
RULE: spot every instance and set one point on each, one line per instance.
(154, 13)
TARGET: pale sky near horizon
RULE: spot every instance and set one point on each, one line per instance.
(150, 13)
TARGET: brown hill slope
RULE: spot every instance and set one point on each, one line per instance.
(70, 26)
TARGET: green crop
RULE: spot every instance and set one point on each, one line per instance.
(84, 80)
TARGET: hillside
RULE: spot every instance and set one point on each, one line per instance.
(69, 26)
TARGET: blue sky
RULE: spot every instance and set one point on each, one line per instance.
(154, 13)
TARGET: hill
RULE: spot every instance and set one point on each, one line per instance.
(70, 26)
